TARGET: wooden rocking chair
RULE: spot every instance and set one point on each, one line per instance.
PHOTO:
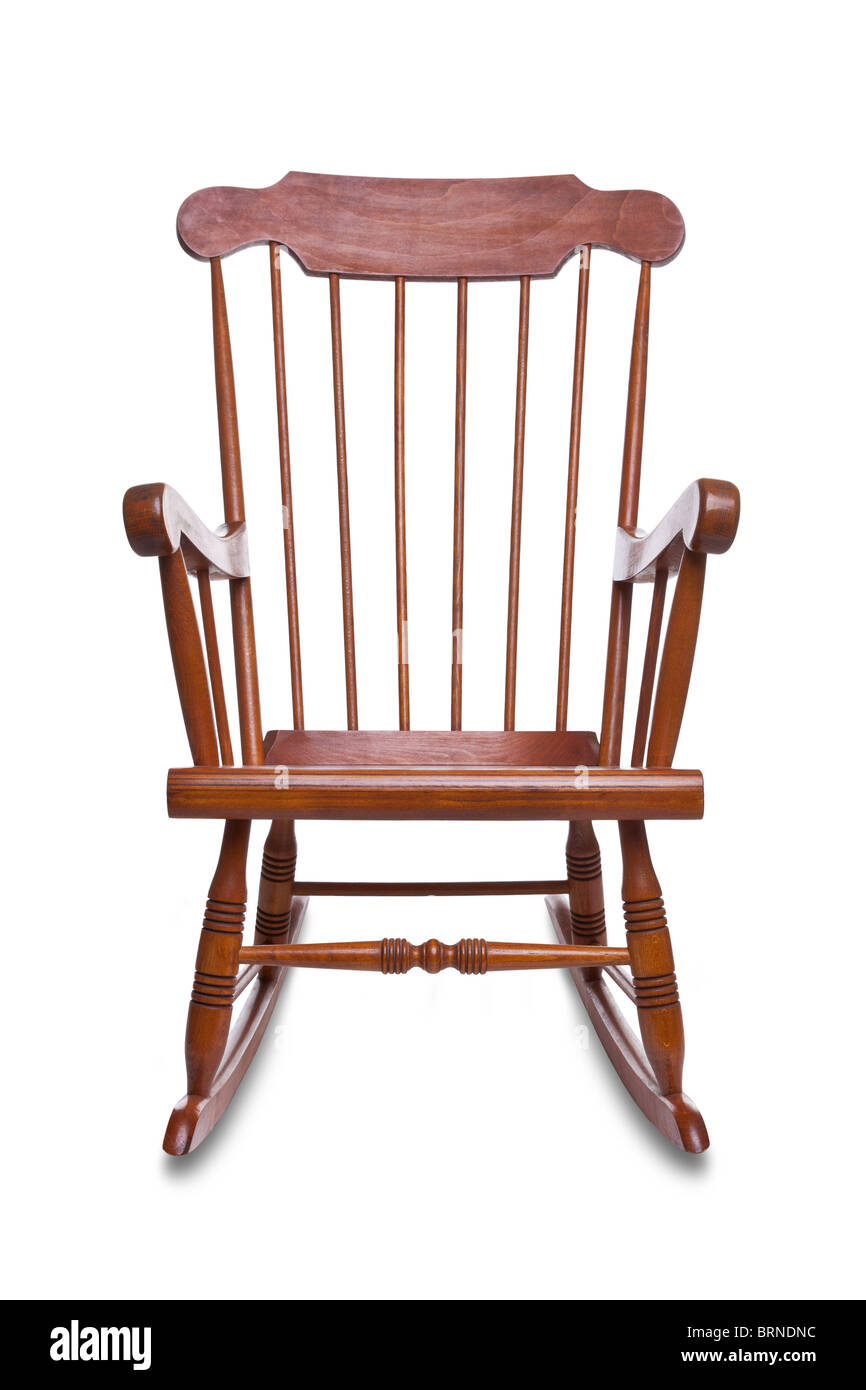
(398, 230)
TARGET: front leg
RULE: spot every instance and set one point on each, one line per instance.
(585, 890)
(652, 962)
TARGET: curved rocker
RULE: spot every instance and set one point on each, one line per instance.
(674, 1116)
(193, 1118)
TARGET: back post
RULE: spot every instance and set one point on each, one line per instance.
(246, 668)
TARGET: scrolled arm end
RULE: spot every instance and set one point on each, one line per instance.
(715, 507)
(704, 519)
(158, 522)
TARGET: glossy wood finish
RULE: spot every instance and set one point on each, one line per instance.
(428, 229)
(286, 489)
(459, 510)
(516, 506)
(437, 229)
(194, 1116)
(434, 793)
(343, 506)
(647, 681)
(395, 956)
(158, 522)
(571, 494)
(188, 660)
(481, 888)
(704, 519)
(584, 887)
(620, 603)
(417, 748)
(400, 500)
(243, 634)
(214, 667)
(674, 1115)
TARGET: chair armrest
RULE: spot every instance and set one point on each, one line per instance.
(704, 519)
(159, 522)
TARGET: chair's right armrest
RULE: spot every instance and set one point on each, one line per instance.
(159, 522)
(704, 519)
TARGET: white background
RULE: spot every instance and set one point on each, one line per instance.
(439, 1137)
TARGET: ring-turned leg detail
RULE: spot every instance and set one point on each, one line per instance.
(651, 1074)
(585, 889)
(217, 1054)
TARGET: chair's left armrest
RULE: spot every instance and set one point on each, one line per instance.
(158, 522)
(704, 519)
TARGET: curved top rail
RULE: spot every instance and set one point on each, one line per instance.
(431, 229)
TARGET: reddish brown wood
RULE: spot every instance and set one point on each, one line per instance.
(436, 748)
(246, 665)
(482, 888)
(194, 1116)
(400, 500)
(276, 885)
(677, 658)
(675, 1116)
(620, 603)
(652, 963)
(158, 522)
(396, 956)
(216, 966)
(635, 409)
(447, 793)
(343, 504)
(610, 739)
(571, 494)
(459, 512)
(215, 668)
(647, 682)
(431, 228)
(704, 518)
(405, 229)
(585, 889)
(286, 489)
(516, 506)
(188, 660)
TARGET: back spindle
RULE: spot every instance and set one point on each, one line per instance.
(286, 488)
(400, 499)
(516, 506)
(343, 504)
(459, 512)
(571, 493)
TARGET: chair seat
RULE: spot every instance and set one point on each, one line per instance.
(340, 775)
(425, 749)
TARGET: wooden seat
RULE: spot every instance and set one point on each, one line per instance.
(397, 231)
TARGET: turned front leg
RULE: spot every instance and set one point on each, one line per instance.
(276, 887)
(216, 965)
(652, 961)
(585, 890)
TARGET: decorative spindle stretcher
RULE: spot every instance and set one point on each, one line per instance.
(463, 230)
